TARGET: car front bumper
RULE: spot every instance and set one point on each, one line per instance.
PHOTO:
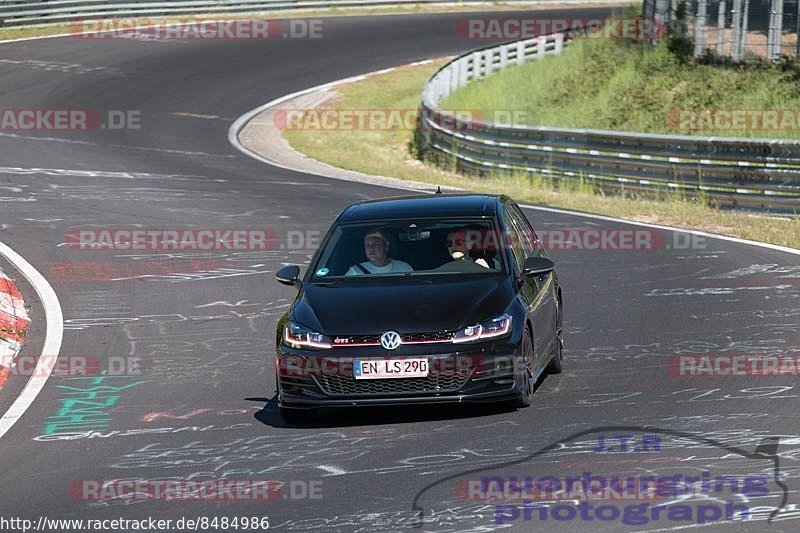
(479, 373)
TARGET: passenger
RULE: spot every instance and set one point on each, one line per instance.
(376, 248)
(459, 247)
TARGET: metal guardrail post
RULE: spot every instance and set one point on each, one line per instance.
(476, 66)
(721, 28)
(488, 61)
(464, 79)
(797, 31)
(700, 28)
(520, 52)
(503, 57)
(743, 34)
(541, 46)
(775, 30)
(736, 31)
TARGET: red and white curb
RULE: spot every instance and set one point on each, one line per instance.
(53, 332)
(14, 323)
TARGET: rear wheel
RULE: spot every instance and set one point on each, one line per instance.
(526, 396)
(556, 363)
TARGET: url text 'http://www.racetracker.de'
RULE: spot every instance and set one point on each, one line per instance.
(202, 523)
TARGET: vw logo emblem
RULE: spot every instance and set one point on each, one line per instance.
(390, 340)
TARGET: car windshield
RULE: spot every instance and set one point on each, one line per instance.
(412, 248)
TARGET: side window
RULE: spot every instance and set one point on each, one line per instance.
(529, 240)
(513, 239)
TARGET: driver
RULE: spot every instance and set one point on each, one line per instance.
(376, 248)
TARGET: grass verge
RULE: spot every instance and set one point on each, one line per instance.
(613, 84)
(385, 152)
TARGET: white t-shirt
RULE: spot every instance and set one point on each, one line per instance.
(489, 263)
(393, 266)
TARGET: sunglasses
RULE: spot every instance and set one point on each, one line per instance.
(459, 242)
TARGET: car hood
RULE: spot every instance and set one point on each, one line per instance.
(410, 307)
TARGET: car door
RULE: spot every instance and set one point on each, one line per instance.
(542, 293)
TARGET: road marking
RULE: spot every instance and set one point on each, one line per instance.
(193, 115)
(54, 323)
(332, 470)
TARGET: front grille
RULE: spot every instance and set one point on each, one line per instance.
(438, 336)
(347, 385)
(408, 338)
(356, 339)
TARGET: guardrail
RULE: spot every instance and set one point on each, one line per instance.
(36, 12)
(40, 12)
(754, 173)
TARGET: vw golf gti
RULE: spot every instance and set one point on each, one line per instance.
(420, 299)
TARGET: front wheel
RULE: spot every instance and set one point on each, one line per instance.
(526, 396)
(556, 363)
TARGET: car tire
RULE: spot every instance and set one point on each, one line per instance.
(556, 362)
(526, 396)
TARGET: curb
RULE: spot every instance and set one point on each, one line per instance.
(247, 134)
(14, 323)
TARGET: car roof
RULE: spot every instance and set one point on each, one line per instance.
(424, 206)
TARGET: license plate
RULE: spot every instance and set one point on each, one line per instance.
(390, 368)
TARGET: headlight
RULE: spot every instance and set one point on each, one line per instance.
(297, 336)
(496, 327)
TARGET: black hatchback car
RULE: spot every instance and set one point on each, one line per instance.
(420, 299)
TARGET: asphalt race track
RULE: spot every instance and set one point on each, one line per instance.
(203, 324)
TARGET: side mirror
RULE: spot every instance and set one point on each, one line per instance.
(535, 265)
(289, 275)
